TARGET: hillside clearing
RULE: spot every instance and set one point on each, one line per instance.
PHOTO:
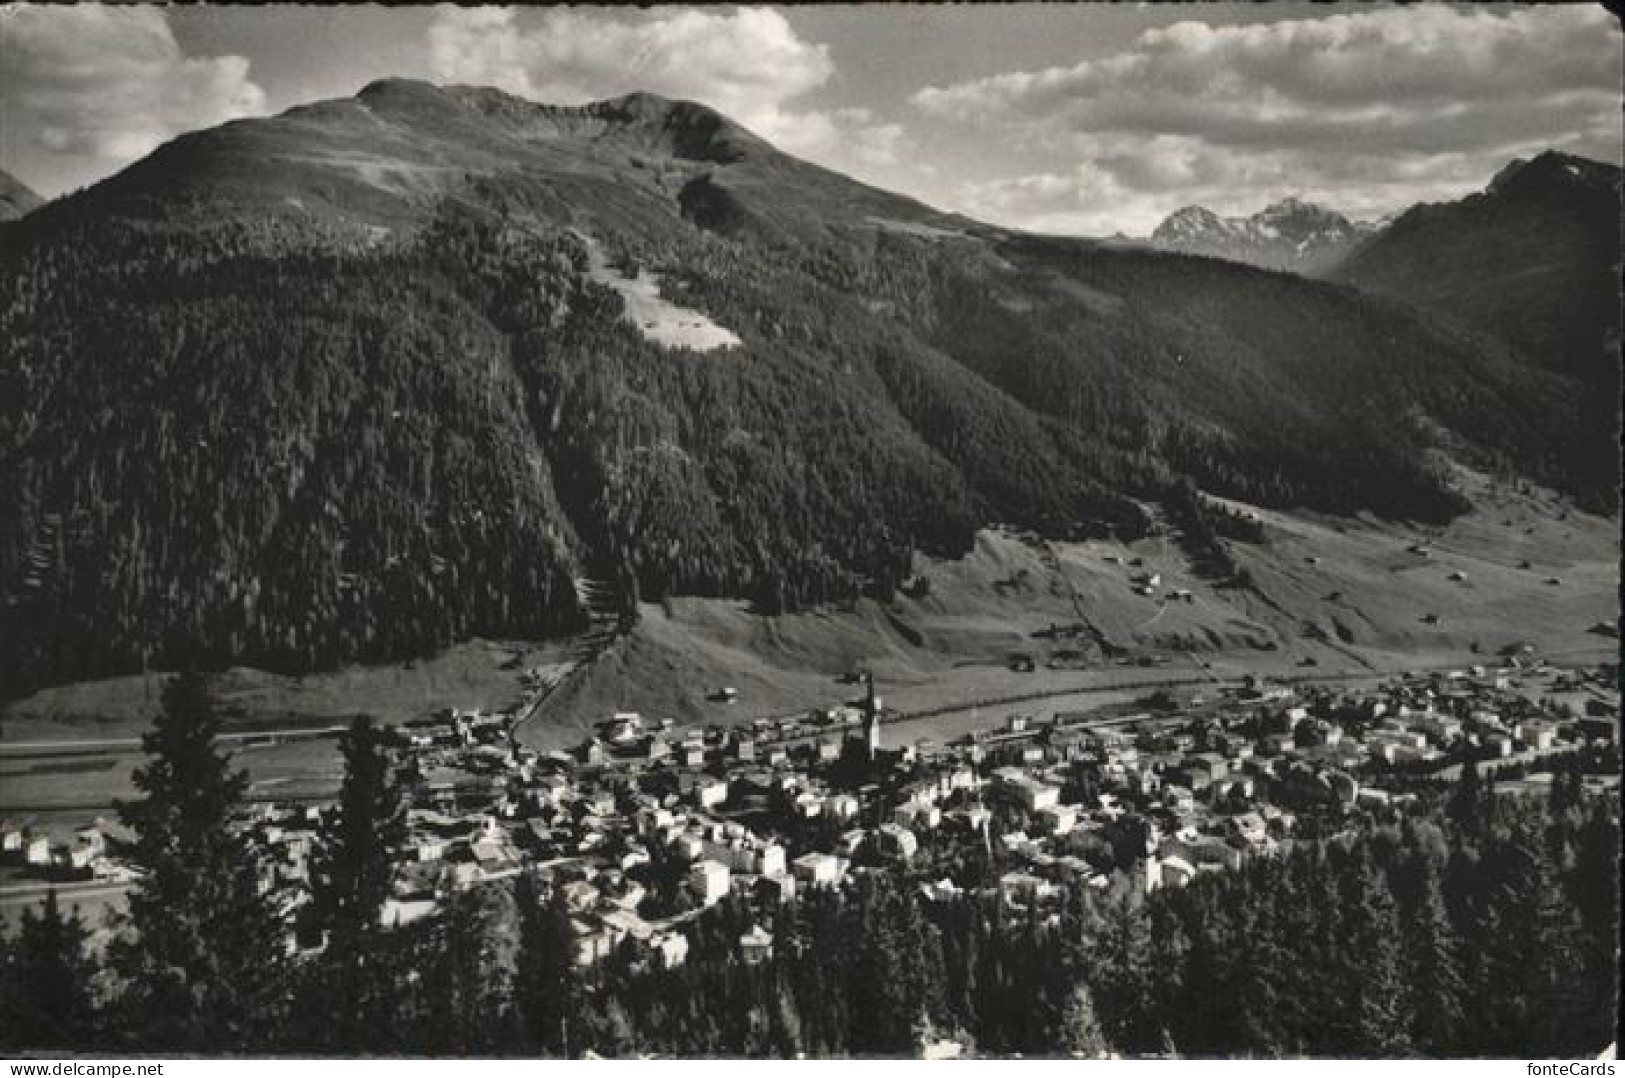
(657, 318)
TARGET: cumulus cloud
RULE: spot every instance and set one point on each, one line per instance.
(749, 64)
(1084, 201)
(1130, 190)
(1368, 110)
(111, 82)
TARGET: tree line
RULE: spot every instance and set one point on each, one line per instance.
(230, 437)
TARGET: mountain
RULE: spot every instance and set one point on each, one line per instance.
(16, 198)
(1533, 259)
(386, 372)
(1299, 237)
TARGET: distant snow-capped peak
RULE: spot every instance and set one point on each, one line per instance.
(1289, 234)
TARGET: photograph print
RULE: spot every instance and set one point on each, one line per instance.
(1081, 531)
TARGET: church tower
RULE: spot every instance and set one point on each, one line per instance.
(871, 719)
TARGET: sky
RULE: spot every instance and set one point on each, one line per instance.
(1082, 119)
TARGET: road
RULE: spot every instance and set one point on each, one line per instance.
(92, 795)
(14, 898)
(26, 749)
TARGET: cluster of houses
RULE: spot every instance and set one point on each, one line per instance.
(90, 854)
(646, 824)
(641, 828)
(1207, 788)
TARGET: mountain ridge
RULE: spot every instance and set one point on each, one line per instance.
(17, 199)
(1533, 259)
(386, 372)
(1288, 234)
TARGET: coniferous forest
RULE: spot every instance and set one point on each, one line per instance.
(1482, 924)
(259, 411)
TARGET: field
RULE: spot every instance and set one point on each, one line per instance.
(479, 673)
(72, 748)
(1331, 598)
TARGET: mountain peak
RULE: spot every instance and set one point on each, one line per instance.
(638, 107)
(1530, 259)
(1291, 204)
(399, 85)
(643, 105)
(1553, 169)
(1188, 222)
(377, 163)
(1289, 234)
(1193, 213)
(405, 95)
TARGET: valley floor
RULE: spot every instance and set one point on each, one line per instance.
(1331, 599)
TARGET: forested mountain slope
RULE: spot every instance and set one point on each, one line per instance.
(1533, 259)
(385, 372)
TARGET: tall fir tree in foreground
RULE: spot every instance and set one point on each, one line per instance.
(1432, 953)
(1596, 889)
(45, 983)
(1378, 991)
(547, 990)
(201, 956)
(1079, 1034)
(353, 862)
(352, 868)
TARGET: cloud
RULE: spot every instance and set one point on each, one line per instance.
(1369, 110)
(1130, 190)
(1129, 184)
(749, 64)
(1388, 71)
(745, 61)
(112, 82)
(1085, 201)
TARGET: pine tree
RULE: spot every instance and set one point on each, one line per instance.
(896, 977)
(1122, 974)
(1567, 788)
(353, 862)
(45, 983)
(546, 987)
(1294, 936)
(1438, 990)
(1207, 1013)
(1530, 966)
(202, 960)
(1081, 1036)
(1378, 997)
(785, 1020)
(1468, 884)
(1467, 800)
(821, 974)
(1169, 945)
(462, 981)
(349, 989)
(1596, 891)
(1259, 966)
